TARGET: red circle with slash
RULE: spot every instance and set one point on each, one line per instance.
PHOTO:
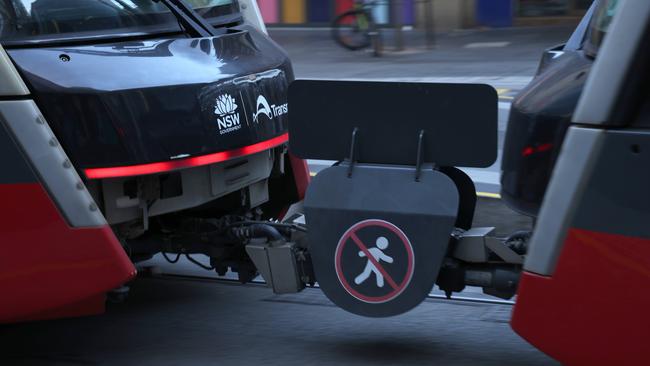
(350, 236)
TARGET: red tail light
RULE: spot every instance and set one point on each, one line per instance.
(530, 150)
(165, 166)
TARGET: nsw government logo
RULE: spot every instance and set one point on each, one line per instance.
(226, 108)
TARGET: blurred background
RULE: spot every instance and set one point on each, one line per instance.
(446, 14)
(495, 42)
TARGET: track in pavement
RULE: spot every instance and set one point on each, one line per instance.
(188, 322)
(466, 298)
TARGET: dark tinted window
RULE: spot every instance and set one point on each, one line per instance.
(600, 23)
(38, 19)
(214, 8)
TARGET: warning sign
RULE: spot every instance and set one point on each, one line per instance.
(371, 256)
(374, 261)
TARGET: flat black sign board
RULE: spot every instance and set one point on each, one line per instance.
(459, 122)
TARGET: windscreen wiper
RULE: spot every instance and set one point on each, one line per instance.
(193, 23)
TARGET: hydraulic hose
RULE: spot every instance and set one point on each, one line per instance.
(266, 231)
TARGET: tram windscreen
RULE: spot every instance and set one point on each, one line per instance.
(61, 19)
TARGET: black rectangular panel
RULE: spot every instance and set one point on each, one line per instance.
(459, 120)
(15, 168)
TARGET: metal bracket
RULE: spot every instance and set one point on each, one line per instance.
(474, 246)
(353, 145)
(505, 253)
(418, 162)
(353, 150)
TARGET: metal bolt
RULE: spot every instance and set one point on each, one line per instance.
(93, 207)
(67, 164)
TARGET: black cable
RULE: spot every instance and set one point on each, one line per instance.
(209, 268)
(178, 256)
(264, 230)
(270, 223)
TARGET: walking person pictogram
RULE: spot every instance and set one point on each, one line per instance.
(378, 254)
(393, 272)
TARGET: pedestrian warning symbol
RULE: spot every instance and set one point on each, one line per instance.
(374, 253)
(374, 261)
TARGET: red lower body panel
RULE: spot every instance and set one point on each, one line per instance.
(301, 175)
(47, 268)
(595, 309)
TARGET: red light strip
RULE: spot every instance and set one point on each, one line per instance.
(166, 166)
(529, 150)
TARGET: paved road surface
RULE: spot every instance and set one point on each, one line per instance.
(461, 54)
(504, 58)
(187, 322)
(172, 321)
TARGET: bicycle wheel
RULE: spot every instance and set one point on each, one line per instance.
(352, 29)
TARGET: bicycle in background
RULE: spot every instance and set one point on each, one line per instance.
(356, 29)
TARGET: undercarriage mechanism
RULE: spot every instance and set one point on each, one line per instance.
(214, 210)
(225, 241)
(376, 232)
(476, 258)
(394, 217)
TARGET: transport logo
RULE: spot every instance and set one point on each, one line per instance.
(226, 108)
(270, 111)
(263, 108)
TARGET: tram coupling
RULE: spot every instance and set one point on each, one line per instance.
(393, 217)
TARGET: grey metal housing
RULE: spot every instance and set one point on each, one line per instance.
(30, 129)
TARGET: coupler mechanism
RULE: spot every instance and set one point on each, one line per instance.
(381, 222)
(477, 258)
(285, 263)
